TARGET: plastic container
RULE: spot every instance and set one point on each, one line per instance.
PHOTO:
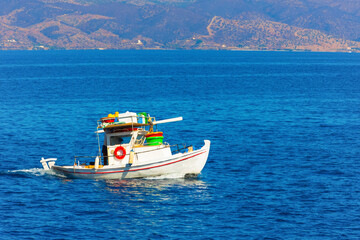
(153, 141)
(108, 120)
(128, 117)
(154, 134)
(143, 117)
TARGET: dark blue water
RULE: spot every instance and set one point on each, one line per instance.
(284, 160)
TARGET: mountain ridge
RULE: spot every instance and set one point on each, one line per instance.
(312, 25)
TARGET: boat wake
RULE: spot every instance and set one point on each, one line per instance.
(32, 171)
(37, 172)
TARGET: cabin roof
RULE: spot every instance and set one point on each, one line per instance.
(125, 125)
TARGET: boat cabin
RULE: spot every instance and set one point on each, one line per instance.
(129, 133)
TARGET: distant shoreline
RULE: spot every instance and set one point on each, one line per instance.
(170, 49)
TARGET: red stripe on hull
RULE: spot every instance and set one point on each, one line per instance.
(133, 170)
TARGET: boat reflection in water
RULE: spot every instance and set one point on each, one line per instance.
(143, 186)
(146, 193)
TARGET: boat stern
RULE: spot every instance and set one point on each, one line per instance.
(48, 163)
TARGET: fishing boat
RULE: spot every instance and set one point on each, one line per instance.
(132, 149)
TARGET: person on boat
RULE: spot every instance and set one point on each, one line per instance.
(105, 155)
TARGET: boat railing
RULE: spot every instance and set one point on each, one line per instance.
(138, 118)
(182, 148)
(117, 120)
(85, 160)
(90, 160)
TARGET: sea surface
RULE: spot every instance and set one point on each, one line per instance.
(285, 144)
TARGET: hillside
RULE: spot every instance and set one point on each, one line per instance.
(313, 25)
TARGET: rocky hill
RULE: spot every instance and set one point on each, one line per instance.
(313, 25)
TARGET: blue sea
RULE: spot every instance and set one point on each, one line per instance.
(285, 144)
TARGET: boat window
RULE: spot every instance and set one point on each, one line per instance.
(116, 140)
(139, 139)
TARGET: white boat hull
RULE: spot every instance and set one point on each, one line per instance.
(181, 165)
